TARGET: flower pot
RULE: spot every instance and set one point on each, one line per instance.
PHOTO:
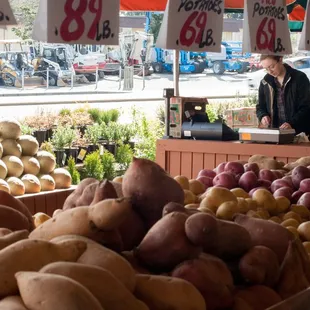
(131, 144)
(73, 152)
(92, 148)
(41, 136)
(82, 130)
(111, 147)
(60, 157)
(49, 134)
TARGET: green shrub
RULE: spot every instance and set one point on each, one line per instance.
(73, 171)
(27, 130)
(108, 165)
(95, 115)
(93, 133)
(93, 166)
(124, 155)
(59, 138)
(65, 112)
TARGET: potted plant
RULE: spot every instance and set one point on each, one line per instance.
(71, 135)
(93, 166)
(127, 134)
(59, 142)
(113, 134)
(108, 165)
(27, 130)
(123, 157)
(92, 135)
(81, 119)
(75, 175)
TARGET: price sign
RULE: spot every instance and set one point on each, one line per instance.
(6, 14)
(304, 43)
(265, 27)
(192, 25)
(77, 21)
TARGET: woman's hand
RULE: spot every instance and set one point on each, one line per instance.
(286, 126)
(266, 121)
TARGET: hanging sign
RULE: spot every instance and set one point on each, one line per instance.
(265, 27)
(192, 25)
(304, 43)
(7, 17)
(77, 21)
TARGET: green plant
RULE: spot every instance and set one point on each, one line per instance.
(47, 146)
(124, 155)
(27, 130)
(65, 112)
(108, 162)
(71, 135)
(93, 133)
(73, 171)
(161, 114)
(113, 132)
(114, 115)
(127, 132)
(95, 115)
(212, 113)
(59, 138)
(93, 167)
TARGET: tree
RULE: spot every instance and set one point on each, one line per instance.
(25, 16)
(155, 25)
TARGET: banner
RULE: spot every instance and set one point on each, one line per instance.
(304, 43)
(7, 17)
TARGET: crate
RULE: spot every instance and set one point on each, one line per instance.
(242, 117)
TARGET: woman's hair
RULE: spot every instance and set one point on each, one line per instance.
(274, 57)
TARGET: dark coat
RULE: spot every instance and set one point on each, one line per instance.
(296, 100)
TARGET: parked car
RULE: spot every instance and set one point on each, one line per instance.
(300, 63)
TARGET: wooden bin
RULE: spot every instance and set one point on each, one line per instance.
(188, 157)
(46, 202)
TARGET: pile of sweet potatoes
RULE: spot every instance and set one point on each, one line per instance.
(133, 245)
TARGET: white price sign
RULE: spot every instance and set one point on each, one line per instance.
(7, 17)
(78, 21)
(304, 43)
(265, 27)
(192, 25)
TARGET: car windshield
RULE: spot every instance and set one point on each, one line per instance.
(301, 64)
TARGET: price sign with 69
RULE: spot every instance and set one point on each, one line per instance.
(192, 26)
(266, 27)
(79, 21)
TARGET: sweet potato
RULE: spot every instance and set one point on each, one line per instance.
(130, 257)
(12, 303)
(41, 291)
(220, 238)
(98, 222)
(33, 254)
(98, 255)
(258, 297)
(292, 278)
(263, 233)
(212, 279)
(150, 188)
(104, 190)
(13, 237)
(166, 244)
(177, 207)
(166, 293)
(13, 219)
(14, 203)
(240, 304)
(303, 161)
(5, 231)
(265, 162)
(260, 266)
(109, 291)
(73, 198)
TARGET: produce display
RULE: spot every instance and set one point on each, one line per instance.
(237, 237)
(24, 169)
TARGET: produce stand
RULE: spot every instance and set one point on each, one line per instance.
(46, 202)
(188, 157)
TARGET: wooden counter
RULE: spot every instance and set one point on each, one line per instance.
(188, 157)
(46, 202)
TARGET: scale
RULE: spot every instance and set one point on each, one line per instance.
(277, 136)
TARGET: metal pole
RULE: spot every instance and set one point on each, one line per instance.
(47, 77)
(143, 75)
(176, 73)
(120, 78)
(97, 75)
(72, 79)
(23, 78)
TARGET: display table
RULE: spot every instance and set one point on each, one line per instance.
(188, 157)
(46, 202)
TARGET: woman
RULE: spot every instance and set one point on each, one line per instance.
(284, 96)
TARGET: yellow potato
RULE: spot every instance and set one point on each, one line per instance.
(242, 205)
(216, 196)
(290, 222)
(264, 214)
(283, 204)
(206, 210)
(252, 204)
(239, 192)
(39, 218)
(189, 197)
(227, 210)
(254, 214)
(265, 200)
(306, 245)
(304, 231)
(192, 206)
(301, 210)
(118, 180)
(196, 187)
(293, 230)
(183, 181)
(292, 215)
(275, 219)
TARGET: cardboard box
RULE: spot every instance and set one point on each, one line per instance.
(241, 117)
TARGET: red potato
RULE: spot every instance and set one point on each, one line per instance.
(252, 167)
(304, 200)
(220, 168)
(206, 173)
(279, 183)
(266, 174)
(305, 186)
(289, 179)
(298, 174)
(248, 181)
(278, 174)
(226, 180)
(207, 181)
(295, 196)
(284, 192)
(150, 189)
(264, 183)
(234, 167)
